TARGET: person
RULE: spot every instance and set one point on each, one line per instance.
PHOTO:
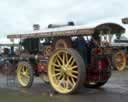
(94, 43)
(81, 46)
(3, 55)
(1, 61)
(5, 52)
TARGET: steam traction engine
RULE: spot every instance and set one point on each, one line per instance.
(63, 57)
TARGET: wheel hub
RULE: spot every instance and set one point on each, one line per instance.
(66, 70)
(24, 73)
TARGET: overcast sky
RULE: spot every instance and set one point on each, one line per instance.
(20, 15)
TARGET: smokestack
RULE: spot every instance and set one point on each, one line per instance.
(125, 20)
(36, 27)
(70, 23)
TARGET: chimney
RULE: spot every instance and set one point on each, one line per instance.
(125, 20)
(36, 27)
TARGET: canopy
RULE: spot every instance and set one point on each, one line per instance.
(106, 28)
(111, 28)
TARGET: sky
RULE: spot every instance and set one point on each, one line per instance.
(20, 15)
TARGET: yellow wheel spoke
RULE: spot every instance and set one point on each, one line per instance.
(58, 70)
(61, 59)
(75, 72)
(72, 63)
(70, 60)
(57, 60)
(21, 68)
(21, 74)
(60, 81)
(73, 67)
(26, 81)
(73, 81)
(26, 77)
(24, 68)
(64, 84)
(56, 65)
(59, 77)
(56, 74)
(27, 74)
(73, 76)
(68, 83)
(66, 59)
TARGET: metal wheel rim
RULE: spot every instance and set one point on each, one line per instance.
(23, 74)
(63, 71)
(120, 61)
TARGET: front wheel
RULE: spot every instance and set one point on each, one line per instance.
(66, 71)
(25, 74)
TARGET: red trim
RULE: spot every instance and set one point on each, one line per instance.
(98, 71)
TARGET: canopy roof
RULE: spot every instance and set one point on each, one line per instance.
(113, 28)
(105, 28)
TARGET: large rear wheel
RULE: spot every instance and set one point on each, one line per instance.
(98, 76)
(25, 74)
(66, 71)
